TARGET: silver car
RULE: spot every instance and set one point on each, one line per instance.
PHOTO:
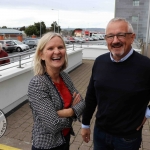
(20, 47)
(8, 45)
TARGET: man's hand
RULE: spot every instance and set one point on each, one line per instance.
(85, 132)
(144, 120)
(76, 98)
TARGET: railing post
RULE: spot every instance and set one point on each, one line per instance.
(19, 61)
(73, 45)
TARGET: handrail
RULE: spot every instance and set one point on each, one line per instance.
(18, 60)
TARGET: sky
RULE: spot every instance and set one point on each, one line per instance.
(67, 13)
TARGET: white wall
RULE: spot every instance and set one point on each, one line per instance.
(92, 52)
(14, 81)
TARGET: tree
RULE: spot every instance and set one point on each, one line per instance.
(55, 28)
(22, 28)
(4, 27)
(31, 30)
(43, 27)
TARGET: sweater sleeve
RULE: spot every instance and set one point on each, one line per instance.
(43, 107)
(90, 102)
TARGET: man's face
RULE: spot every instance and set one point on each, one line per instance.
(119, 45)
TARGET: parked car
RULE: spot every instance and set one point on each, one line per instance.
(8, 45)
(79, 39)
(66, 40)
(31, 43)
(95, 38)
(71, 39)
(20, 46)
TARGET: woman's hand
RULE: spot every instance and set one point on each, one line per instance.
(76, 98)
(65, 113)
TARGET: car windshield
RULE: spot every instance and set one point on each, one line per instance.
(18, 42)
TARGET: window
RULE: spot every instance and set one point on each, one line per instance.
(135, 2)
(134, 18)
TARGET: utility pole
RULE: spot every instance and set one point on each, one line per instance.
(137, 27)
(40, 28)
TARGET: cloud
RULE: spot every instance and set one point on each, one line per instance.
(69, 13)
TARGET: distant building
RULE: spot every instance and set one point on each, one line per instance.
(136, 12)
(6, 33)
(85, 32)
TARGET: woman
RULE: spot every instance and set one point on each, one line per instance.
(53, 98)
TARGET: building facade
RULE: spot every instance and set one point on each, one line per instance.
(136, 12)
(7, 34)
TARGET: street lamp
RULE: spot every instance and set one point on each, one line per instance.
(54, 25)
(137, 26)
(58, 18)
(40, 28)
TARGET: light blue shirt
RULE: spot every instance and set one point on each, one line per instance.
(147, 112)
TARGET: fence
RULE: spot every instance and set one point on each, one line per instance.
(22, 58)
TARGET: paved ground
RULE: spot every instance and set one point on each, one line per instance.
(20, 122)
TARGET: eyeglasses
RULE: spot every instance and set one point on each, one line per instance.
(120, 36)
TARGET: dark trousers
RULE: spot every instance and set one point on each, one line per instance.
(62, 147)
(104, 141)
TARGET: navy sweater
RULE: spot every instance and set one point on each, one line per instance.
(121, 91)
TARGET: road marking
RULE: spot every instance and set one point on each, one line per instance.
(4, 147)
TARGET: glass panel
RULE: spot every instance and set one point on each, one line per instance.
(134, 18)
(135, 2)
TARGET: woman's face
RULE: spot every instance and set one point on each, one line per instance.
(54, 54)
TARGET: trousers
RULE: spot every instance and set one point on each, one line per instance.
(62, 147)
(105, 141)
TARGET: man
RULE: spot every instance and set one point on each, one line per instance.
(120, 88)
(3, 54)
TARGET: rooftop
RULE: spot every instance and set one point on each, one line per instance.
(19, 122)
(9, 31)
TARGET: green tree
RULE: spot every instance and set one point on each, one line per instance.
(22, 28)
(43, 27)
(55, 28)
(31, 30)
(4, 27)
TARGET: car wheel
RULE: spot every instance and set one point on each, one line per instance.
(19, 49)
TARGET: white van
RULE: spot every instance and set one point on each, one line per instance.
(100, 36)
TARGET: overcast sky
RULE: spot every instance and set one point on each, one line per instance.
(68, 13)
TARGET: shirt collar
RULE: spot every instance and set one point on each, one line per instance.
(124, 58)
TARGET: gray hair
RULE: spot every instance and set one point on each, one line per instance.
(38, 64)
(130, 28)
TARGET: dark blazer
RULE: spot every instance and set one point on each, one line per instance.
(45, 101)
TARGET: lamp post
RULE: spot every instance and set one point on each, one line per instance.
(137, 26)
(40, 28)
(54, 25)
(58, 18)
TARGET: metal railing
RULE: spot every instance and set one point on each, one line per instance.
(18, 60)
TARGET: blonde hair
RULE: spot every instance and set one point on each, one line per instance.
(38, 64)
